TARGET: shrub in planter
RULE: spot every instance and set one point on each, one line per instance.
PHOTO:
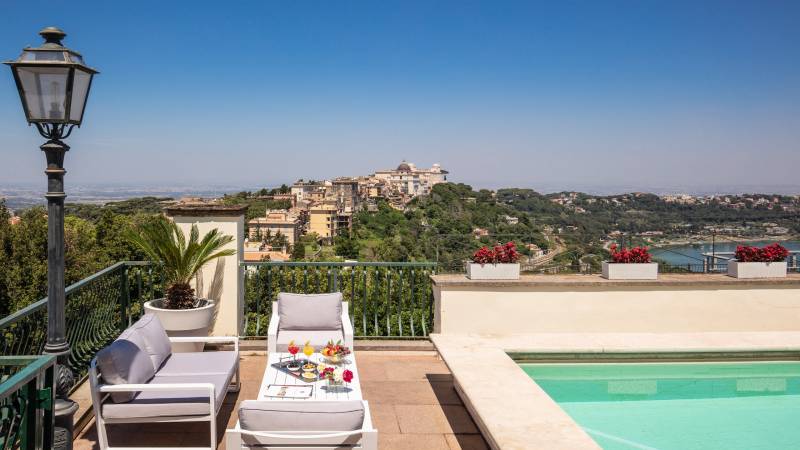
(180, 311)
(630, 264)
(754, 262)
(497, 263)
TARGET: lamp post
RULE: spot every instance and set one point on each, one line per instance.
(53, 84)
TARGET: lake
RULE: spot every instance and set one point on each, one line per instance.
(681, 255)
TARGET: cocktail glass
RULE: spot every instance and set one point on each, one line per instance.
(308, 350)
(293, 349)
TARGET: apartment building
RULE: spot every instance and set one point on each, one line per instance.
(323, 219)
(276, 221)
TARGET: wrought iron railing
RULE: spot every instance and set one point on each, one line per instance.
(98, 308)
(26, 402)
(386, 299)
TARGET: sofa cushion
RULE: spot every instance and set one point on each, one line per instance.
(345, 415)
(125, 362)
(173, 402)
(310, 312)
(155, 337)
(199, 363)
(317, 338)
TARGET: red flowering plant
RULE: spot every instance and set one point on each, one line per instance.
(771, 253)
(336, 374)
(635, 255)
(499, 254)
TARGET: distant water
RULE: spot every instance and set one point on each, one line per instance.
(680, 255)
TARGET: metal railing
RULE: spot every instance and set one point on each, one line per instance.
(27, 394)
(98, 309)
(386, 299)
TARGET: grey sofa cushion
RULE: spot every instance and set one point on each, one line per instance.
(156, 340)
(199, 363)
(317, 338)
(171, 403)
(125, 362)
(257, 415)
(310, 312)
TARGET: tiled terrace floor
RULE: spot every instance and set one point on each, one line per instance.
(413, 403)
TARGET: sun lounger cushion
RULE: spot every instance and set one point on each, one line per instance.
(310, 312)
(267, 416)
(125, 362)
(200, 363)
(156, 340)
(171, 403)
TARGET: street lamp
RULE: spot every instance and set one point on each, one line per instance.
(53, 84)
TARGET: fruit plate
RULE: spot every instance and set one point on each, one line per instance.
(335, 359)
(282, 366)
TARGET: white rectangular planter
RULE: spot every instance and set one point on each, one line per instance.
(630, 271)
(757, 269)
(492, 271)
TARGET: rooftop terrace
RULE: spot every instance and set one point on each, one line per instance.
(412, 399)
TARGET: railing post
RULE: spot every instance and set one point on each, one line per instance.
(126, 297)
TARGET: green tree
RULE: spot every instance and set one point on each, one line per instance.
(299, 251)
(345, 246)
(5, 258)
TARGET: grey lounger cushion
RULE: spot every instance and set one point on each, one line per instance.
(125, 362)
(273, 415)
(310, 312)
(173, 403)
(318, 338)
(200, 363)
(156, 340)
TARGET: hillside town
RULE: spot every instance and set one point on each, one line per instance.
(325, 208)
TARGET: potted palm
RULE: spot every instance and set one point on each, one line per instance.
(181, 312)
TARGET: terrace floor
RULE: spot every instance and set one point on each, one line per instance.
(411, 395)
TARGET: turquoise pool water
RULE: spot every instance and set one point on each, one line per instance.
(686, 406)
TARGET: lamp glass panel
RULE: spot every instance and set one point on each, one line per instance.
(44, 91)
(43, 56)
(80, 90)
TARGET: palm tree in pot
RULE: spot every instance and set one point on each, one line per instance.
(181, 312)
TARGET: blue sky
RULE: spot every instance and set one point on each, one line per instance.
(644, 94)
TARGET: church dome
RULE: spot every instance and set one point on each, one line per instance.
(404, 167)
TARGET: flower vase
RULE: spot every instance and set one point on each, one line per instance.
(334, 386)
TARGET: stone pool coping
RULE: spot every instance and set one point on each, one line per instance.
(513, 412)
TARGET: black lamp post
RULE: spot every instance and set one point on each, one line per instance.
(53, 84)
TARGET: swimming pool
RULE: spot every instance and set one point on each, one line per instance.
(687, 406)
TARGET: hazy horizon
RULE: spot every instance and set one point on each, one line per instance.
(134, 189)
(665, 97)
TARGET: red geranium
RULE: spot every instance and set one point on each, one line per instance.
(504, 254)
(635, 255)
(771, 253)
(347, 376)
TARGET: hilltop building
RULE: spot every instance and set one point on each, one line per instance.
(410, 181)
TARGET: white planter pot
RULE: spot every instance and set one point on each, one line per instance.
(184, 322)
(492, 271)
(757, 269)
(630, 271)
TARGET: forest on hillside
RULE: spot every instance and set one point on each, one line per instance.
(440, 227)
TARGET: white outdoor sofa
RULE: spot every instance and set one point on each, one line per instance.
(137, 379)
(316, 317)
(303, 425)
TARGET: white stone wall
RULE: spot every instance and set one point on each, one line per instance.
(570, 308)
